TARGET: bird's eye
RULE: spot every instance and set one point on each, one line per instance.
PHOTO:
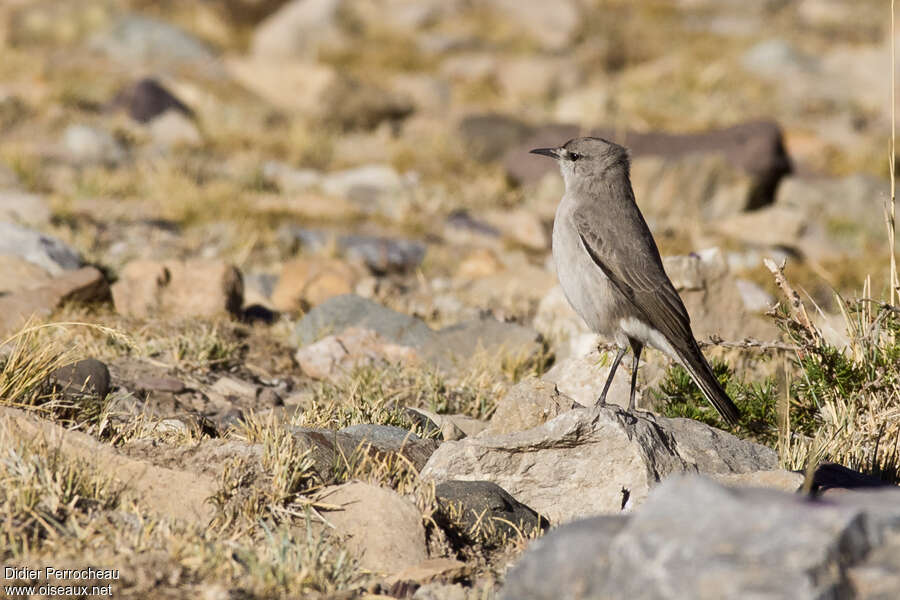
(573, 156)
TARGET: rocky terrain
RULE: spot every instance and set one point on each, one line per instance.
(279, 314)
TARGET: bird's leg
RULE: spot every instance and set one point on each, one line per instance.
(636, 349)
(612, 371)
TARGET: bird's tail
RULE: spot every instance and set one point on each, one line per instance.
(702, 374)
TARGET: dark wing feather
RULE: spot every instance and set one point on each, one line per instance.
(633, 265)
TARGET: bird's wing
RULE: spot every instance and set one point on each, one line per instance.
(635, 269)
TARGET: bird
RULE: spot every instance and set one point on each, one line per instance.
(610, 269)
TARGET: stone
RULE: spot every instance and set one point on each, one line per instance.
(767, 543)
(553, 468)
(380, 254)
(173, 129)
(341, 312)
(309, 281)
(85, 379)
(193, 288)
(328, 448)
(142, 41)
(429, 570)
(88, 145)
(85, 285)
(744, 163)
(174, 494)
(581, 378)
(483, 510)
(297, 29)
(147, 99)
(381, 527)
(17, 274)
(520, 226)
(47, 252)
(489, 136)
(553, 26)
(24, 208)
(526, 405)
(349, 350)
(755, 299)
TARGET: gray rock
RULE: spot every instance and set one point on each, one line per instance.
(142, 41)
(386, 435)
(48, 252)
(380, 254)
(590, 461)
(448, 348)
(694, 538)
(489, 136)
(87, 145)
(339, 313)
(82, 380)
(483, 511)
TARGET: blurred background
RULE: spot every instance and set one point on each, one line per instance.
(380, 146)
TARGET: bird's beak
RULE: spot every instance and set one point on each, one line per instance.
(551, 152)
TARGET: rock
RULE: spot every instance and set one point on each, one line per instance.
(826, 200)
(310, 281)
(380, 254)
(297, 29)
(17, 274)
(432, 569)
(520, 226)
(173, 129)
(581, 378)
(553, 468)
(191, 288)
(85, 285)
(87, 145)
(755, 299)
(447, 348)
(754, 149)
(341, 312)
(483, 511)
(441, 591)
(82, 380)
(148, 99)
(171, 493)
(351, 349)
(141, 41)
(777, 479)
(47, 252)
(526, 405)
(767, 543)
(382, 528)
(327, 447)
(23, 208)
(489, 136)
(712, 298)
(477, 264)
(553, 26)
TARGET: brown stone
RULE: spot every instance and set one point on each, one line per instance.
(83, 285)
(308, 281)
(192, 288)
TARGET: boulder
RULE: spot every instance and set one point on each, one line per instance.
(694, 538)
(85, 285)
(383, 529)
(592, 461)
(194, 288)
(47, 252)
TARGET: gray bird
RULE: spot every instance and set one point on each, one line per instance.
(610, 269)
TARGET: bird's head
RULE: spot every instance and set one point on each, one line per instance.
(588, 159)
